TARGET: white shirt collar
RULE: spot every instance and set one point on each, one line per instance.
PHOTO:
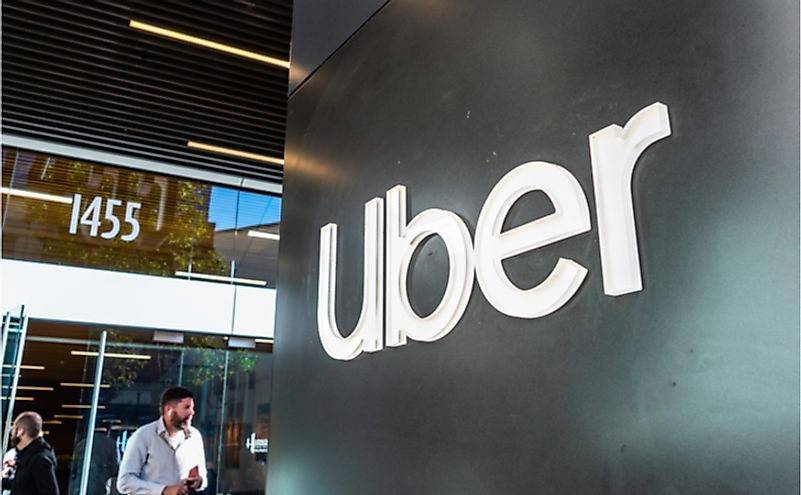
(161, 429)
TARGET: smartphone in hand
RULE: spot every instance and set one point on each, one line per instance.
(193, 479)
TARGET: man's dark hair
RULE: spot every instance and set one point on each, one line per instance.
(31, 422)
(174, 394)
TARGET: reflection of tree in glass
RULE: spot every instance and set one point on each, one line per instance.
(180, 238)
(210, 354)
(191, 214)
(121, 373)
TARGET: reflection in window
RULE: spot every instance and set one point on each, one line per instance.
(65, 211)
(247, 232)
(231, 386)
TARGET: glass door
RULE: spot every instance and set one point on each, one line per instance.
(133, 376)
(231, 388)
(15, 325)
(55, 377)
(95, 386)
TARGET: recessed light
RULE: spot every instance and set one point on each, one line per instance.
(168, 33)
(220, 278)
(264, 235)
(35, 195)
(26, 366)
(83, 385)
(110, 355)
(233, 152)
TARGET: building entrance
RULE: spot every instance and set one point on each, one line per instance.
(94, 386)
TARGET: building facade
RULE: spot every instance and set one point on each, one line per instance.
(141, 209)
(525, 246)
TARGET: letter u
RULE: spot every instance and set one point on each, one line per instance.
(368, 333)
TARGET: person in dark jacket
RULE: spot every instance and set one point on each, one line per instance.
(36, 462)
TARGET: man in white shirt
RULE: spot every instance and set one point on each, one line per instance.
(165, 457)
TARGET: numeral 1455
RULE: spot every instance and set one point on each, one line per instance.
(91, 217)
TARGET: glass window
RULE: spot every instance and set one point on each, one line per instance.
(72, 212)
(231, 388)
(247, 231)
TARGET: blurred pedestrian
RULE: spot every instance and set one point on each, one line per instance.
(35, 464)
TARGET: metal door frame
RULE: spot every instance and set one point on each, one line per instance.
(15, 369)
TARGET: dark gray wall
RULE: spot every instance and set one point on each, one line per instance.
(320, 28)
(689, 386)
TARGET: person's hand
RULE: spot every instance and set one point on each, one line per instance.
(8, 466)
(180, 489)
(193, 483)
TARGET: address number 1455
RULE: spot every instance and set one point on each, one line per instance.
(91, 217)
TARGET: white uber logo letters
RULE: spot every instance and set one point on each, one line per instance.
(571, 217)
(402, 240)
(613, 151)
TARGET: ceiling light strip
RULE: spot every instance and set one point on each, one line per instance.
(35, 195)
(168, 33)
(83, 385)
(111, 355)
(232, 152)
(79, 406)
(221, 278)
(264, 235)
(26, 366)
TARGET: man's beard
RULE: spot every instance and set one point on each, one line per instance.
(181, 423)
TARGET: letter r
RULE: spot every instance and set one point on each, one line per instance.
(614, 152)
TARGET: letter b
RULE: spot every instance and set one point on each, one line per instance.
(402, 240)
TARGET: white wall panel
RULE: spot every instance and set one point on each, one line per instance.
(74, 294)
(253, 308)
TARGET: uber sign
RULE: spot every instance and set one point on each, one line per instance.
(613, 151)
